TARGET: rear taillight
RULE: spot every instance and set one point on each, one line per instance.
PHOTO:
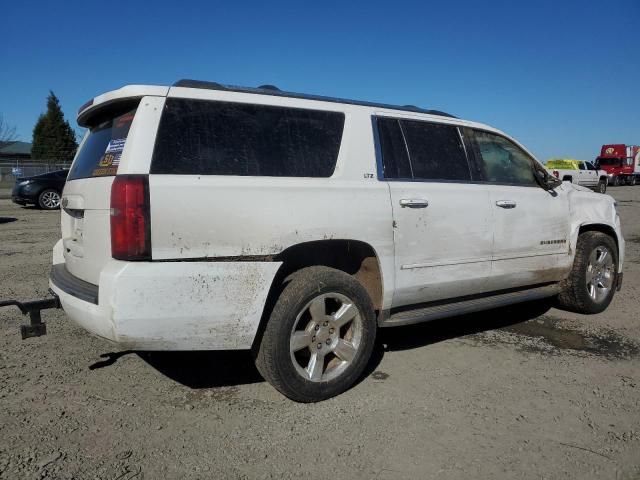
(130, 218)
(556, 174)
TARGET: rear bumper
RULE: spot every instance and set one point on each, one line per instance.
(170, 305)
(73, 286)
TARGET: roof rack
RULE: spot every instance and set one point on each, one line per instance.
(275, 91)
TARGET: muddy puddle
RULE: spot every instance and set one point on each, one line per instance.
(551, 335)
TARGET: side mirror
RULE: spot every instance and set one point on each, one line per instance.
(546, 181)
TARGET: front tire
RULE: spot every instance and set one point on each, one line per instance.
(591, 284)
(319, 337)
(49, 199)
(632, 180)
(602, 186)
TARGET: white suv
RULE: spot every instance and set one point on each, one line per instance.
(202, 216)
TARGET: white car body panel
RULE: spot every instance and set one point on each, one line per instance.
(176, 305)
(206, 287)
(436, 256)
(530, 240)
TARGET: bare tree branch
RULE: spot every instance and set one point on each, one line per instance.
(7, 132)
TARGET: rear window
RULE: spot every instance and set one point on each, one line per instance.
(221, 138)
(100, 154)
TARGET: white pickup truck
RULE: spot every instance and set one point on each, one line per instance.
(579, 172)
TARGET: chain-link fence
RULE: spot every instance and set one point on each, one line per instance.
(10, 170)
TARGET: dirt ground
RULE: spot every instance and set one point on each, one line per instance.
(502, 394)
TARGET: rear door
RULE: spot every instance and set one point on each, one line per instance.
(442, 220)
(530, 224)
(85, 218)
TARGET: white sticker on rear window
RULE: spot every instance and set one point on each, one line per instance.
(113, 153)
(115, 145)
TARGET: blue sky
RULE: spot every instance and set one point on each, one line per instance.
(563, 77)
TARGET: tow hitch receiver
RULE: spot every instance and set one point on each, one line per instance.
(35, 328)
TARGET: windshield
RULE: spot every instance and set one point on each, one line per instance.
(615, 162)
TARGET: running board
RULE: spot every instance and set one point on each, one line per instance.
(426, 314)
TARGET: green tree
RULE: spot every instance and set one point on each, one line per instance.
(53, 137)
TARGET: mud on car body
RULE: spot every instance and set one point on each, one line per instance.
(202, 216)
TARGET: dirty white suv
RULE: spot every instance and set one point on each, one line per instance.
(203, 216)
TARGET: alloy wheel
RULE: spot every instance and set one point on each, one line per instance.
(51, 199)
(600, 273)
(326, 337)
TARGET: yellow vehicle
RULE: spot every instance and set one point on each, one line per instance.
(564, 163)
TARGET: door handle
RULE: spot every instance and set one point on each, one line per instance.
(414, 203)
(506, 204)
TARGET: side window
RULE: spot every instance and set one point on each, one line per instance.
(503, 161)
(435, 151)
(395, 159)
(222, 138)
(581, 166)
(590, 166)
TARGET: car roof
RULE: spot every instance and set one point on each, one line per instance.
(186, 88)
(275, 91)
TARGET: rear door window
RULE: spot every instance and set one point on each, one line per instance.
(199, 137)
(395, 158)
(436, 151)
(100, 154)
(417, 150)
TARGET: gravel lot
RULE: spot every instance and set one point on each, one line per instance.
(503, 394)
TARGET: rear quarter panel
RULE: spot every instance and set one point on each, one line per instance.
(200, 216)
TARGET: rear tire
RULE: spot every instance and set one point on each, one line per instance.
(602, 186)
(319, 337)
(615, 181)
(632, 180)
(49, 199)
(590, 286)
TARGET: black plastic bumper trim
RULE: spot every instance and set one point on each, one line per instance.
(72, 285)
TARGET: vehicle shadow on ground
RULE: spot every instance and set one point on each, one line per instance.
(429, 333)
(7, 219)
(210, 369)
(204, 369)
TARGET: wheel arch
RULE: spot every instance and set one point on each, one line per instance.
(355, 257)
(599, 227)
(602, 228)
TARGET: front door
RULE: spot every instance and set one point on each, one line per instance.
(442, 221)
(591, 175)
(530, 224)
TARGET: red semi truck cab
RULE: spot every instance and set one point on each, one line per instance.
(621, 162)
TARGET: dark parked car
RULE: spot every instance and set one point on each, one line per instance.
(43, 190)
